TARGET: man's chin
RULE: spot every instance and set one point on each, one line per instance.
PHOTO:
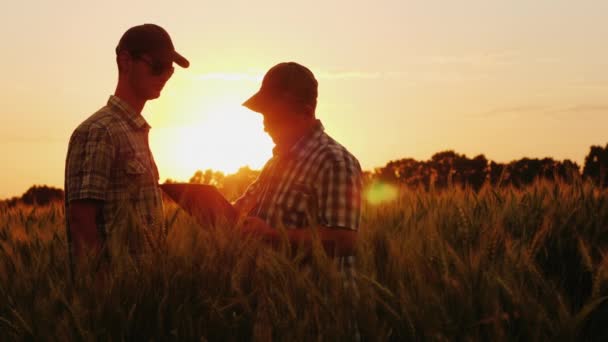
(154, 95)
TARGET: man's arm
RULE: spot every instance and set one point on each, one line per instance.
(83, 227)
(88, 172)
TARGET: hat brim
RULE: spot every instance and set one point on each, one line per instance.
(180, 60)
(257, 102)
(169, 55)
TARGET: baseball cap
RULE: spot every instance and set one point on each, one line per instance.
(288, 80)
(150, 39)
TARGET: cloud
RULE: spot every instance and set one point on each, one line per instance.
(554, 112)
(33, 140)
(591, 85)
(580, 110)
(340, 75)
(510, 111)
(480, 59)
(418, 70)
(353, 75)
(229, 76)
(587, 108)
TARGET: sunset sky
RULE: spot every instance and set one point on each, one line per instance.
(397, 78)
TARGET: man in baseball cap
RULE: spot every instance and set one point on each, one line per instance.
(311, 181)
(285, 81)
(152, 40)
(111, 179)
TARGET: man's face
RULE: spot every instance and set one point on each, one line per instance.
(148, 75)
(284, 121)
(279, 123)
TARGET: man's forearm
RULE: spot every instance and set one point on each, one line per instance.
(83, 227)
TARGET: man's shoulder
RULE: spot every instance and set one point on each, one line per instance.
(103, 119)
(332, 152)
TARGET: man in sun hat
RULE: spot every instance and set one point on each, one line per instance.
(311, 180)
(111, 178)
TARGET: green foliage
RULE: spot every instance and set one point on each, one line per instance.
(497, 264)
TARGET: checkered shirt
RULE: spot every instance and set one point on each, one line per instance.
(316, 182)
(109, 160)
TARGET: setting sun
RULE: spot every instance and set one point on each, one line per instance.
(226, 138)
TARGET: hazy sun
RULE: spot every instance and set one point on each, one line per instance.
(225, 137)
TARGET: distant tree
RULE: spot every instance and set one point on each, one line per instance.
(568, 171)
(443, 165)
(596, 165)
(209, 176)
(197, 178)
(407, 171)
(12, 202)
(452, 168)
(42, 195)
(367, 177)
(497, 173)
(234, 185)
(524, 171)
(473, 172)
(231, 185)
(448, 168)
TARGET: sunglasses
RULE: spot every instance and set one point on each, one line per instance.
(157, 68)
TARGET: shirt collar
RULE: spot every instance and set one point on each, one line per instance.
(128, 113)
(303, 143)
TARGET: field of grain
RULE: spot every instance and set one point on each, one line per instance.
(455, 265)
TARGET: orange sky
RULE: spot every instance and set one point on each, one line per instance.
(397, 78)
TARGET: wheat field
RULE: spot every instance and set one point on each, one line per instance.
(454, 265)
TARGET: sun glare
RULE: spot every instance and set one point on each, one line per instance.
(379, 193)
(226, 137)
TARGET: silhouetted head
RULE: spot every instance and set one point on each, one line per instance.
(145, 56)
(287, 99)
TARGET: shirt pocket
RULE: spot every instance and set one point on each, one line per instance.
(298, 207)
(134, 168)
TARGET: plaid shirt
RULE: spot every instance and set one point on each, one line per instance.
(317, 181)
(109, 160)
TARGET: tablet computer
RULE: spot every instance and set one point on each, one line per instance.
(203, 202)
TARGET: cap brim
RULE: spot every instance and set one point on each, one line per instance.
(256, 102)
(180, 60)
(170, 55)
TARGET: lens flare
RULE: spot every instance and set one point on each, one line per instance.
(379, 192)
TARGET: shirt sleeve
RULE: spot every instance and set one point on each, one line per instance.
(89, 164)
(339, 195)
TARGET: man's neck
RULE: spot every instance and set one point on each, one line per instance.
(126, 95)
(297, 135)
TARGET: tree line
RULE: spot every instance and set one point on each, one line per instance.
(443, 169)
(449, 168)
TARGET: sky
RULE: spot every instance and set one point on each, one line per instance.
(508, 79)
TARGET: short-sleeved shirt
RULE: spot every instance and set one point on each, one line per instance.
(315, 182)
(109, 160)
